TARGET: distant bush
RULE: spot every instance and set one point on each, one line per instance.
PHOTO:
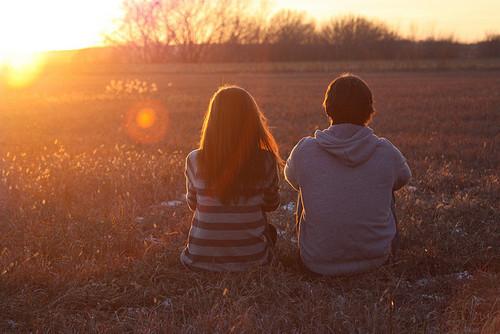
(490, 46)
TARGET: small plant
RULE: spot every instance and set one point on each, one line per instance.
(131, 88)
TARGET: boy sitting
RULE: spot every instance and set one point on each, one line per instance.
(345, 176)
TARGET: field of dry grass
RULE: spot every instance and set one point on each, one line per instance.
(93, 230)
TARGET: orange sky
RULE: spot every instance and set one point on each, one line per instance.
(465, 20)
(34, 25)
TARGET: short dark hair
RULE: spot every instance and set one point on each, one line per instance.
(348, 99)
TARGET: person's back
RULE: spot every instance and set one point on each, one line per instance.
(229, 236)
(346, 176)
(232, 181)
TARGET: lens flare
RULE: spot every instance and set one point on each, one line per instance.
(147, 122)
(22, 69)
(146, 118)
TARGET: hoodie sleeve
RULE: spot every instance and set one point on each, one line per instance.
(291, 172)
(402, 171)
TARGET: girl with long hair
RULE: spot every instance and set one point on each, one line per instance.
(232, 180)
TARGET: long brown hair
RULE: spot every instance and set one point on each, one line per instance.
(236, 145)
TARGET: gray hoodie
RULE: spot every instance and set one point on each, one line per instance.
(346, 176)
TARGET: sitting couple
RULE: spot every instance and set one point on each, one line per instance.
(345, 176)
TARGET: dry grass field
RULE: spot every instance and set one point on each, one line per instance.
(94, 227)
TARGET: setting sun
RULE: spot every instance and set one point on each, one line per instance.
(21, 69)
(32, 25)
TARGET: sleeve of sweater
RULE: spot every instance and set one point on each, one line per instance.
(190, 189)
(291, 172)
(402, 171)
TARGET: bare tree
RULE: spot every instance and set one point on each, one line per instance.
(141, 32)
(357, 37)
(253, 20)
(196, 24)
(290, 27)
(246, 22)
(355, 30)
(150, 28)
(234, 30)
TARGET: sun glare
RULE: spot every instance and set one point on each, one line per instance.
(45, 25)
(21, 69)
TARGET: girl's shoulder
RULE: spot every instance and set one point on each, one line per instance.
(192, 161)
(192, 156)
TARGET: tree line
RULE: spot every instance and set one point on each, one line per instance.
(243, 30)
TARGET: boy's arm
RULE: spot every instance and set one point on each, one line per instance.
(290, 175)
(290, 167)
(403, 172)
(190, 189)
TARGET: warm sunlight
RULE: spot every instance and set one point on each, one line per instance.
(249, 166)
(466, 21)
(31, 26)
(40, 25)
(36, 25)
(21, 69)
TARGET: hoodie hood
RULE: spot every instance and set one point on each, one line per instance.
(351, 144)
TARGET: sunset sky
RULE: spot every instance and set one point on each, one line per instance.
(34, 25)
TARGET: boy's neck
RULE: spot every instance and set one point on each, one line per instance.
(332, 123)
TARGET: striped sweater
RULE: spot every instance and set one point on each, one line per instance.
(228, 237)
